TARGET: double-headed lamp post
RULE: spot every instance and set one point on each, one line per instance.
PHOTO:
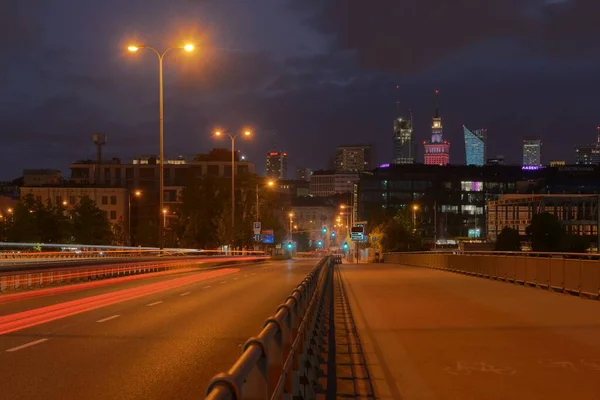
(233, 137)
(134, 48)
(269, 184)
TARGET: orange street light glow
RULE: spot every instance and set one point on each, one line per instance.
(133, 49)
(247, 133)
(138, 193)
(218, 133)
(189, 47)
(270, 183)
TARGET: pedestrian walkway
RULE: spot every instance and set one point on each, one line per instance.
(430, 334)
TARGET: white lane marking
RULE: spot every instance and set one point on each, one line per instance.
(185, 294)
(108, 318)
(155, 303)
(223, 282)
(235, 279)
(206, 287)
(23, 346)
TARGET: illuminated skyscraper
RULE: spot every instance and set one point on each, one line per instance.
(353, 158)
(437, 150)
(276, 167)
(532, 152)
(589, 154)
(404, 141)
(475, 146)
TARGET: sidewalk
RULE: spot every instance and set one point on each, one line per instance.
(431, 334)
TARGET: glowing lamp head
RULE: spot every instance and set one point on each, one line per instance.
(218, 133)
(138, 193)
(165, 210)
(133, 49)
(247, 133)
(189, 47)
(64, 203)
(271, 183)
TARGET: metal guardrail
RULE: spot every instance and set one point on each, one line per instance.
(283, 360)
(562, 272)
(33, 279)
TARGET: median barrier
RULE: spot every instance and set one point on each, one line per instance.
(283, 359)
(573, 273)
(20, 280)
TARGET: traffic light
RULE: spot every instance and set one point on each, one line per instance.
(324, 229)
(290, 245)
(332, 234)
(320, 243)
(345, 246)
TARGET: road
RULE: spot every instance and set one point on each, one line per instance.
(432, 334)
(155, 338)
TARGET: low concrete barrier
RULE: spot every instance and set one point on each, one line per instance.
(569, 273)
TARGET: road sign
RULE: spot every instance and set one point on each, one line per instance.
(358, 233)
(257, 238)
(267, 236)
(257, 228)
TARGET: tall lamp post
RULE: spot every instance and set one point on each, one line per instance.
(415, 208)
(233, 137)
(291, 215)
(189, 48)
(269, 184)
(136, 193)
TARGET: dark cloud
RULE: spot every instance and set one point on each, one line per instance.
(406, 36)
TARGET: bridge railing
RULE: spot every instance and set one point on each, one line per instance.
(41, 275)
(574, 273)
(283, 359)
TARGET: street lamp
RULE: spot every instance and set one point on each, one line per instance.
(136, 193)
(233, 137)
(270, 183)
(164, 212)
(134, 48)
(415, 208)
(291, 215)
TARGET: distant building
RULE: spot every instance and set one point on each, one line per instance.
(578, 213)
(303, 174)
(589, 154)
(353, 158)
(41, 177)
(496, 160)
(558, 163)
(404, 141)
(437, 150)
(328, 183)
(276, 166)
(311, 214)
(475, 146)
(113, 201)
(532, 152)
(293, 187)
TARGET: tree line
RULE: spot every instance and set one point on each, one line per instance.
(546, 234)
(32, 221)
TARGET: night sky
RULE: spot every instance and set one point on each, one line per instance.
(307, 74)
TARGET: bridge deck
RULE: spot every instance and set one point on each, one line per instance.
(431, 334)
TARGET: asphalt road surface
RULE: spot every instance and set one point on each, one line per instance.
(431, 334)
(154, 338)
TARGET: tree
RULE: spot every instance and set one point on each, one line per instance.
(545, 233)
(508, 240)
(574, 244)
(90, 224)
(396, 234)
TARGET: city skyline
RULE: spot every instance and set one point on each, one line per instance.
(315, 87)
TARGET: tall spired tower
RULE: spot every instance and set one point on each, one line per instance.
(437, 150)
